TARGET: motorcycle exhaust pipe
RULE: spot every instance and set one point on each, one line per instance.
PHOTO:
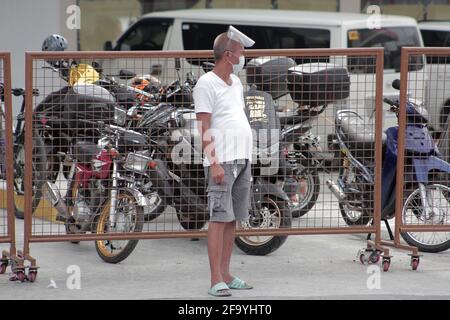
(336, 190)
(52, 195)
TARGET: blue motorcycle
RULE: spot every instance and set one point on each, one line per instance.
(426, 190)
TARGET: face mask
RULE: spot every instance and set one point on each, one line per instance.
(238, 67)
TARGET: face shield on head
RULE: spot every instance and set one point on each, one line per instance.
(235, 35)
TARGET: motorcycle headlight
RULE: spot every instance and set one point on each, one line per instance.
(120, 116)
(137, 162)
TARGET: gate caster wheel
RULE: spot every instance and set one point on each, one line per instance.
(32, 275)
(386, 264)
(19, 276)
(3, 267)
(415, 263)
(362, 258)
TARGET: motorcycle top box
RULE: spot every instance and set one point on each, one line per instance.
(318, 84)
(269, 74)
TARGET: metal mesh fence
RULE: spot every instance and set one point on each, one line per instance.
(113, 149)
(423, 181)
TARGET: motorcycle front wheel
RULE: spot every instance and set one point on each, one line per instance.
(129, 218)
(413, 213)
(273, 214)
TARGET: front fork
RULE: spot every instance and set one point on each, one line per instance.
(423, 196)
(113, 196)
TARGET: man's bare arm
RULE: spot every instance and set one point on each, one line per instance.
(204, 124)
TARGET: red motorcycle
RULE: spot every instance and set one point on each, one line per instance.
(104, 195)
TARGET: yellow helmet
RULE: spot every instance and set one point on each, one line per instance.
(83, 73)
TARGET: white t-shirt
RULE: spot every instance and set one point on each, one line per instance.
(229, 124)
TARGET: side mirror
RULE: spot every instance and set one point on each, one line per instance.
(177, 64)
(108, 46)
(396, 84)
(97, 67)
(126, 74)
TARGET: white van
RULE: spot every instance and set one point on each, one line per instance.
(277, 29)
(437, 34)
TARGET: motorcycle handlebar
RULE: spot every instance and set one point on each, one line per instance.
(391, 102)
(106, 128)
(17, 92)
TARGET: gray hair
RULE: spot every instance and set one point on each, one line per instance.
(221, 44)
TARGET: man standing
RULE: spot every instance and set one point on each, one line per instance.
(227, 146)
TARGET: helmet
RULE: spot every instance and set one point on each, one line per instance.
(55, 42)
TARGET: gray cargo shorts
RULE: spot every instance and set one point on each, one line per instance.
(230, 200)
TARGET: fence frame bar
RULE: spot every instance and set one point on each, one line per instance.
(10, 238)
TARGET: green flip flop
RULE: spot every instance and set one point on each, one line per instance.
(220, 290)
(239, 284)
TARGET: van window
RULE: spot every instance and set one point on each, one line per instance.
(200, 36)
(147, 34)
(436, 38)
(392, 39)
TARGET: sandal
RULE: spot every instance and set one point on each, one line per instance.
(239, 284)
(220, 290)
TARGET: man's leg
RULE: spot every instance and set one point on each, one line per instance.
(228, 242)
(215, 250)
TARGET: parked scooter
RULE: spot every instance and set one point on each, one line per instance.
(426, 196)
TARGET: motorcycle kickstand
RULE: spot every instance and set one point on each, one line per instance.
(391, 235)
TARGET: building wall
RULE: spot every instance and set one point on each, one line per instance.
(25, 24)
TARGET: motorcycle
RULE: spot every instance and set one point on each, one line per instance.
(104, 193)
(280, 76)
(355, 185)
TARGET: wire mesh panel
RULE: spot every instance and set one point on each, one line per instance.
(422, 217)
(7, 226)
(115, 148)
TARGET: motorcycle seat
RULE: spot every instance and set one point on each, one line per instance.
(358, 131)
(85, 151)
(289, 118)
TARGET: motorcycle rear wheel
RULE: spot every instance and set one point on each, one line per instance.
(353, 217)
(274, 213)
(39, 171)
